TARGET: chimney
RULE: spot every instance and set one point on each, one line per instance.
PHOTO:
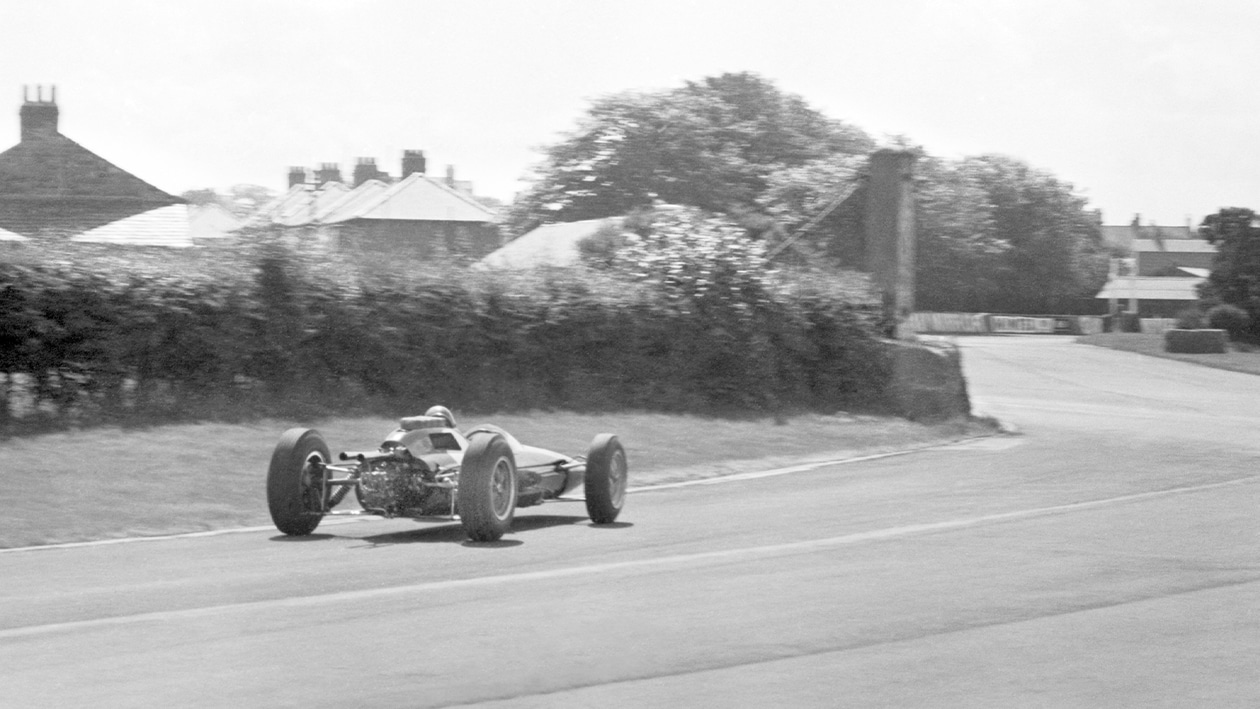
(38, 117)
(450, 176)
(327, 172)
(297, 176)
(412, 162)
(364, 170)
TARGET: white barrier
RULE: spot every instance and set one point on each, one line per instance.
(981, 323)
(1006, 323)
(1089, 324)
(949, 322)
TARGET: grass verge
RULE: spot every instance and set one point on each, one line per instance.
(110, 483)
(1238, 359)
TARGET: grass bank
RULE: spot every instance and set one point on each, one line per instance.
(110, 483)
(1238, 359)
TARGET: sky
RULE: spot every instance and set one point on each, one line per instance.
(1147, 107)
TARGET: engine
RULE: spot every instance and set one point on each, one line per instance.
(402, 488)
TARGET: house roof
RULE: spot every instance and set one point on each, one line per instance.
(6, 235)
(351, 202)
(56, 167)
(165, 226)
(414, 198)
(293, 208)
(1151, 288)
(1178, 246)
(211, 221)
(1125, 235)
(548, 245)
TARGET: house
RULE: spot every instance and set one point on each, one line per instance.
(547, 245)
(413, 215)
(1162, 277)
(1123, 237)
(52, 187)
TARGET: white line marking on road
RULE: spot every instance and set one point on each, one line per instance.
(803, 467)
(592, 569)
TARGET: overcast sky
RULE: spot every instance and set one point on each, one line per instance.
(1146, 106)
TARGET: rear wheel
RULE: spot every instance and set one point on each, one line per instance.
(606, 473)
(296, 487)
(487, 488)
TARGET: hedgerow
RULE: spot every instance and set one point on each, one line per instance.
(95, 336)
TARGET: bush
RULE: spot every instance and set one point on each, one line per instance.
(1191, 319)
(269, 330)
(1195, 341)
(1230, 318)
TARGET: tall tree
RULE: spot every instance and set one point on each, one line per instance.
(1056, 261)
(711, 144)
(1235, 277)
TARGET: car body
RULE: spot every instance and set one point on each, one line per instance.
(428, 469)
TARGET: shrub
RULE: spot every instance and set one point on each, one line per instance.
(270, 330)
(1195, 341)
(1230, 318)
(1191, 319)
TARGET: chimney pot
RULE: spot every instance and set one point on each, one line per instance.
(412, 162)
(39, 117)
(364, 170)
(327, 172)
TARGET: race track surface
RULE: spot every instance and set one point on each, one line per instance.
(1107, 556)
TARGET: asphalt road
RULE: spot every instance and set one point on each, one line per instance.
(1108, 556)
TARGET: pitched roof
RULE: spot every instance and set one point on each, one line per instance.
(211, 221)
(548, 245)
(351, 201)
(1125, 235)
(1177, 246)
(164, 226)
(1151, 288)
(417, 197)
(6, 235)
(414, 198)
(293, 208)
(54, 166)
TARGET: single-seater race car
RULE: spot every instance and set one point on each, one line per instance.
(428, 469)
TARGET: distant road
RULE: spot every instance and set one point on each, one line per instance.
(1109, 556)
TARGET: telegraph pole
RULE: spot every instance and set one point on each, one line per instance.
(890, 235)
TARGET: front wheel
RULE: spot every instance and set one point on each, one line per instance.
(606, 473)
(487, 488)
(296, 481)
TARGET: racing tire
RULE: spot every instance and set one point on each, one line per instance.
(606, 474)
(296, 481)
(487, 488)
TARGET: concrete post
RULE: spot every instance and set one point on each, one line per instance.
(890, 234)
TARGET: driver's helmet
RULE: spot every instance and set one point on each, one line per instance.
(443, 413)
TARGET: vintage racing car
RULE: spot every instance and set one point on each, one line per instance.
(428, 469)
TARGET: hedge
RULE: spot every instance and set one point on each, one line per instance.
(229, 335)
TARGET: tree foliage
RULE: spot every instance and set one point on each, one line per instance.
(1235, 277)
(994, 234)
(242, 200)
(1030, 244)
(711, 144)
